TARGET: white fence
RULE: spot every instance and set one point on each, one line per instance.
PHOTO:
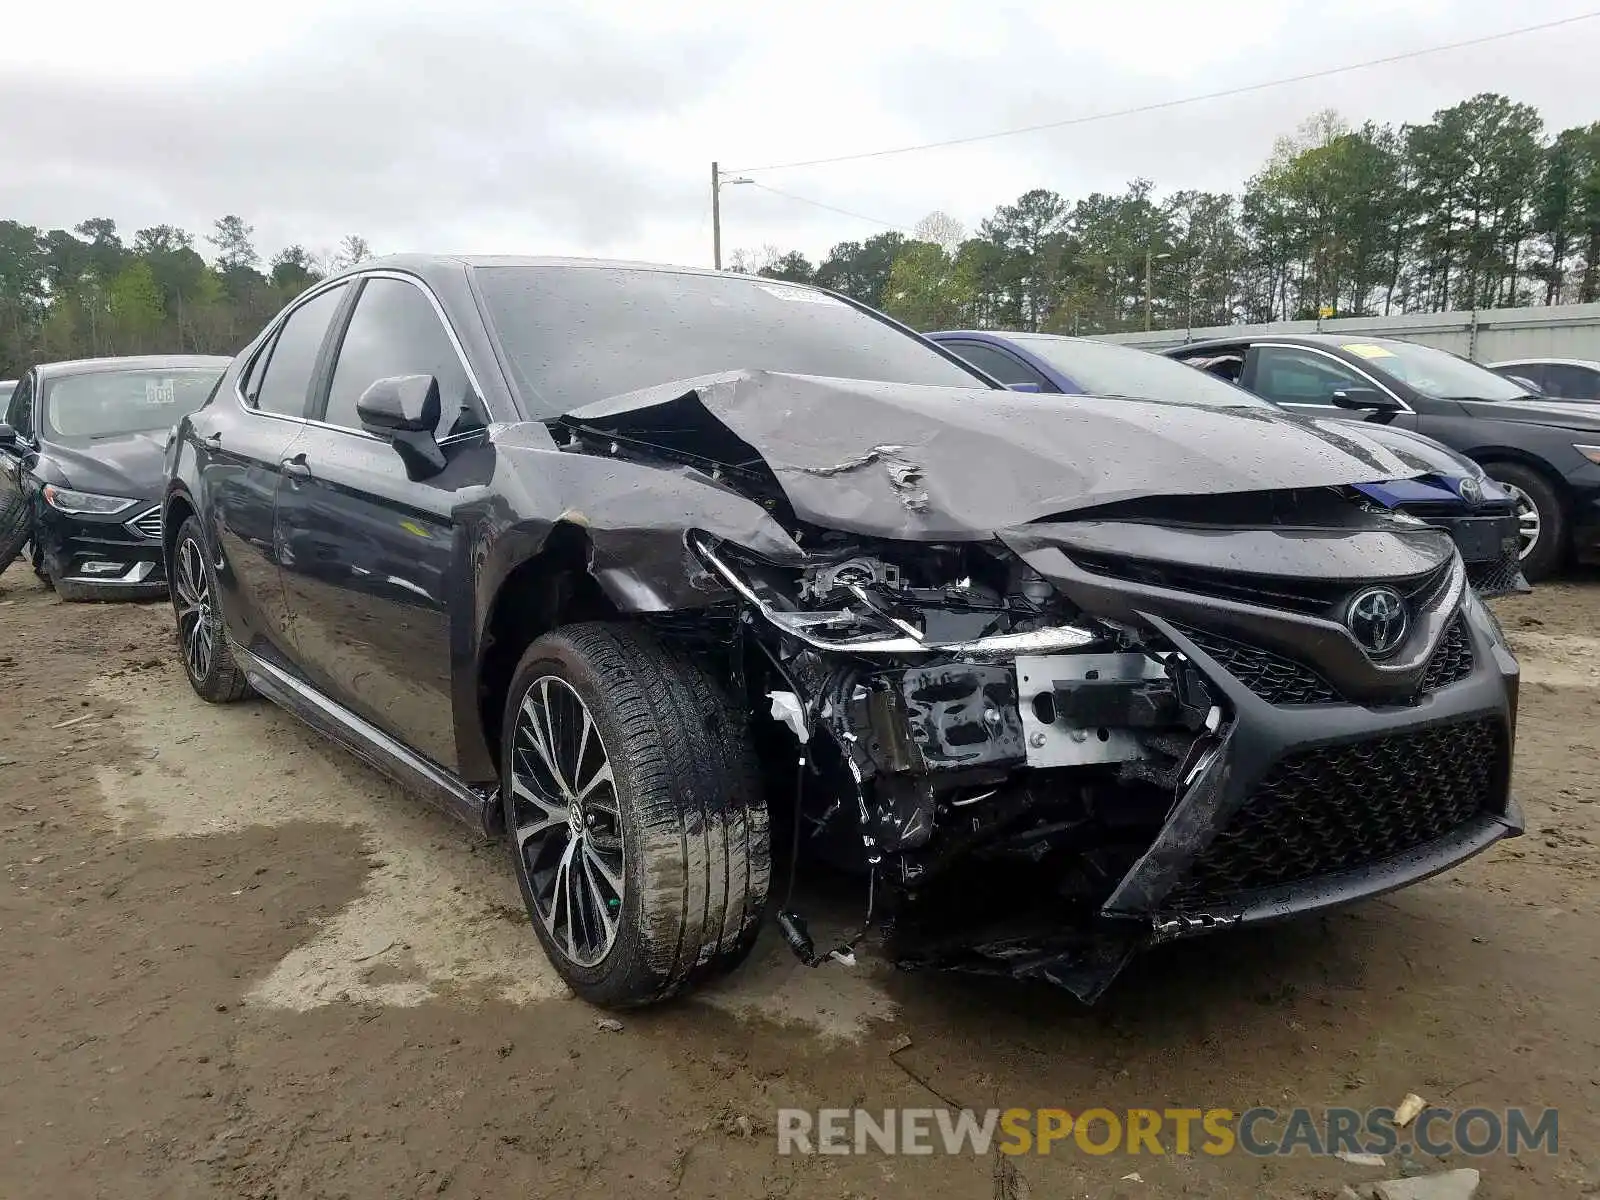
(1487, 335)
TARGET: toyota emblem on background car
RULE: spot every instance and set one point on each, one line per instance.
(1377, 619)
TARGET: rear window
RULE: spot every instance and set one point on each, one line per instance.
(1126, 372)
(574, 335)
(101, 404)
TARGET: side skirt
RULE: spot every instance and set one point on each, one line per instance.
(370, 744)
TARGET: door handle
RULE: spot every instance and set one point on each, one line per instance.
(295, 466)
(211, 441)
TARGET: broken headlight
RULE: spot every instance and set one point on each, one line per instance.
(863, 605)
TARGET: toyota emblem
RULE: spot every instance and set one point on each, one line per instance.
(1377, 619)
(1471, 490)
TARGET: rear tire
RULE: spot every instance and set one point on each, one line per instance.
(657, 792)
(1530, 487)
(15, 528)
(197, 605)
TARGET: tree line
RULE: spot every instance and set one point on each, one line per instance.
(1476, 208)
(84, 292)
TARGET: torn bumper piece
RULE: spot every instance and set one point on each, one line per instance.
(1046, 804)
(1296, 809)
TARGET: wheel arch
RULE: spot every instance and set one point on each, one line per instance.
(179, 507)
(547, 589)
(1498, 453)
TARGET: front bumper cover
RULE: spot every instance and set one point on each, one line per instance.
(115, 557)
(1419, 783)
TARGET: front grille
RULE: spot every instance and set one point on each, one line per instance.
(1337, 808)
(1498, 577)
(1275, 679)
(1452, 658)
(148, 524)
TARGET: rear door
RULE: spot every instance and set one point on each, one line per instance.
(242, 443)
(369, 553)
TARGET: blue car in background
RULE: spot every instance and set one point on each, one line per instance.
(1450, 491)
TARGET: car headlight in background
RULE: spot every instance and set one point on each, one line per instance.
(85, 503)
(1592, 453)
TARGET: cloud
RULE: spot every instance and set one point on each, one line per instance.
(413, 131)
(564, 128)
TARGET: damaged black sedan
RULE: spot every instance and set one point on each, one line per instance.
(652, 569)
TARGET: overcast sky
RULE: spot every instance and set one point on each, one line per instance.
(590, 129)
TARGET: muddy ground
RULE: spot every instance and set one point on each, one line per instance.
(238, 963)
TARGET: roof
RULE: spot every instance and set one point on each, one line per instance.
(1541, 360)
(133, 362)
(1307, 339)
(425, 264)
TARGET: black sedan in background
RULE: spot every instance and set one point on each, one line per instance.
(1545, 453)
(81, 468)
(1449, 491)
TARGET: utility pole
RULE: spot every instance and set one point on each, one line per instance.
(1147, 289)
(717, 184)
(716, 217)
(1149, 259)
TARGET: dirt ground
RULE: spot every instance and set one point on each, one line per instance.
(238, 963)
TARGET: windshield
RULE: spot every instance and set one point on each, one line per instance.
(576, 334)
(100, 404)
(7, 386)
(1105, 369)
(1435, 372)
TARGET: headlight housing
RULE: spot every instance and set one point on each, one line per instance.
(1592, 453)
(85, 503)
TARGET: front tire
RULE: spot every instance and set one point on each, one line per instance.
(15, 528)
(1541, 518)
(197, 605)
(637, 827)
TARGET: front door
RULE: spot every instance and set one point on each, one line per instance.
(16, 458)
(369, 554)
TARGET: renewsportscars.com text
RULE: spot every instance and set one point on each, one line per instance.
(1214, 1131)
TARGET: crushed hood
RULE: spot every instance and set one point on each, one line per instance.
(924, 463)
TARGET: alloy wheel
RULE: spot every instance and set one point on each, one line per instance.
(1527, 518)
(193, 587)
(567, 821)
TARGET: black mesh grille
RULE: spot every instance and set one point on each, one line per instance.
(1275, 679)
(1452, 658)
(1340, 807)
(1497, 577)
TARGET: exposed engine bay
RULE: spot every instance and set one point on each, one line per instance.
(1055, 713)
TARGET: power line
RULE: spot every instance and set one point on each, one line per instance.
(844, 212)
(1166, 104)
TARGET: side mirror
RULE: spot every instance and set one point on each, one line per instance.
(1365, 399)
(406, 407)
(8, 435)
(1024, 387)
(401, 404)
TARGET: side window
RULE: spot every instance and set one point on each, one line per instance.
(994, 361)
(19, 413)
(285, 379)
(1534, 373)
(396, 331)
(1570, 382)
(1301, 377)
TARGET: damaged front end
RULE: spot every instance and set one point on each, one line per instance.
(1058, 717)
(1047, 762)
